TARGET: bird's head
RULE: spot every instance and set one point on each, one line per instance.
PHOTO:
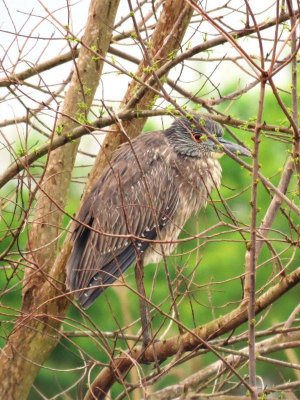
(201, 137)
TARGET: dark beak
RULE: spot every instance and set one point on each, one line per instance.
(235, 148)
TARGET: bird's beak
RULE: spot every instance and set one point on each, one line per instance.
(235, 148)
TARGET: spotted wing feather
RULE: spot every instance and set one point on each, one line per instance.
(131, 202)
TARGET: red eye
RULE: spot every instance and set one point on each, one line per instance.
(197, 137)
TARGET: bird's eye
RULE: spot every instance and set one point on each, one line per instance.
(198, 137)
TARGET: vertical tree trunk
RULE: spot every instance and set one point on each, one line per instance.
(35, 333)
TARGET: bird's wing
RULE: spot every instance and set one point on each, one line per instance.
(129, 204)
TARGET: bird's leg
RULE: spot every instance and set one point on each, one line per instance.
(145, 318)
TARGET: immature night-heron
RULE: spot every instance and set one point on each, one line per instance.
(149, 190)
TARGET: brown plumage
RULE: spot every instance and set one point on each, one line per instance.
(149, 190)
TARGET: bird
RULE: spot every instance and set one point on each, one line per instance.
(142, 200)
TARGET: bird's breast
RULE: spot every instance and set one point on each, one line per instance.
(195, 180)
